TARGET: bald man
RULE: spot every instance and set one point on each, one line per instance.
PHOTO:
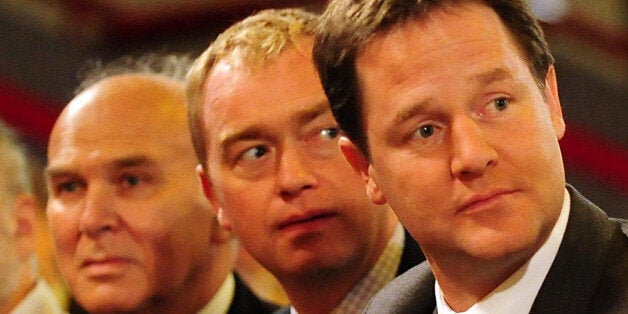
(132, 230)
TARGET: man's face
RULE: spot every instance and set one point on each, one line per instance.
(275, 173)
(464, 147)
(130, 223)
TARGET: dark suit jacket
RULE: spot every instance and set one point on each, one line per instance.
(245, 302)
(410, 257)
(589, 273)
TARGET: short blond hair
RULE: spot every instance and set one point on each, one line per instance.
(256, 40)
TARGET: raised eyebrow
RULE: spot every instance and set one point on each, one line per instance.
(495, 75)
(229, 138)
(416, 109)
(313, 112)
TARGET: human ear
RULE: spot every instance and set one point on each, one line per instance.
(553, 102)
(209, 193)
(25, 215)
(363, 168)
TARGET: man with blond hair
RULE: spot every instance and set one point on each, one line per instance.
(270, 165)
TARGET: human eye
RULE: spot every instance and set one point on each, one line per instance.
(254, 153)
(129, 180)
(425, 137)
(425, 131)
(66, 187)
(330, 133)
(500, 103)
(252, 161)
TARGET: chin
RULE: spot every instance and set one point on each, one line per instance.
(117, 301)
(108, 305)
(496, 245)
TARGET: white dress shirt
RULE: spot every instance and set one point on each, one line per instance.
(517, 293)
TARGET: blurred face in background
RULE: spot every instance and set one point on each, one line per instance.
(131, 226)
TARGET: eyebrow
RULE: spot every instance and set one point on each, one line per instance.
(255, 131)
(116, 164)
(482, 79)
(313, 112)
(412, 111)
(130, 161)
(495, 75)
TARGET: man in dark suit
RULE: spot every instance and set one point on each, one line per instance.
(452, 116)
(133, 232)
(270, 165)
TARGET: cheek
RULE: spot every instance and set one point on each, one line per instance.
(64, 231)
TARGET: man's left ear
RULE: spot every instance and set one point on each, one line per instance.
(363, 168)
(220, 234)
(25, 214)
(553, 102)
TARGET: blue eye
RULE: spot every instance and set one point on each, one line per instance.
(256, 152)
(331, 132)
(500, 103)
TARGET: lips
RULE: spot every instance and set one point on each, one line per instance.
(483, 200)
(106, 266)
(306, 218)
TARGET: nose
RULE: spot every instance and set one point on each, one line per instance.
(472, 152)
(99, 214)
(294, 174)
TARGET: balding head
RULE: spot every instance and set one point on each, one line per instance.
(132, 229)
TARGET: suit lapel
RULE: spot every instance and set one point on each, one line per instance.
(574, 275)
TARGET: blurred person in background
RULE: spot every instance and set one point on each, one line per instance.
(132, 230)
(21, 290)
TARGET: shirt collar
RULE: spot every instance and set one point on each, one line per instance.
(517, 293)
(221, 301)
(384, 270)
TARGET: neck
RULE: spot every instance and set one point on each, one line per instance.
(465, 281)
(201, 285)
(322, 291)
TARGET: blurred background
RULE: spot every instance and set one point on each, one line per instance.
(45, 43)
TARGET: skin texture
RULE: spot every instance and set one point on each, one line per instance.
(464, 145)
(131, 227)
(278, 180)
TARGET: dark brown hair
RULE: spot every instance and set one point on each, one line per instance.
(346, 25)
